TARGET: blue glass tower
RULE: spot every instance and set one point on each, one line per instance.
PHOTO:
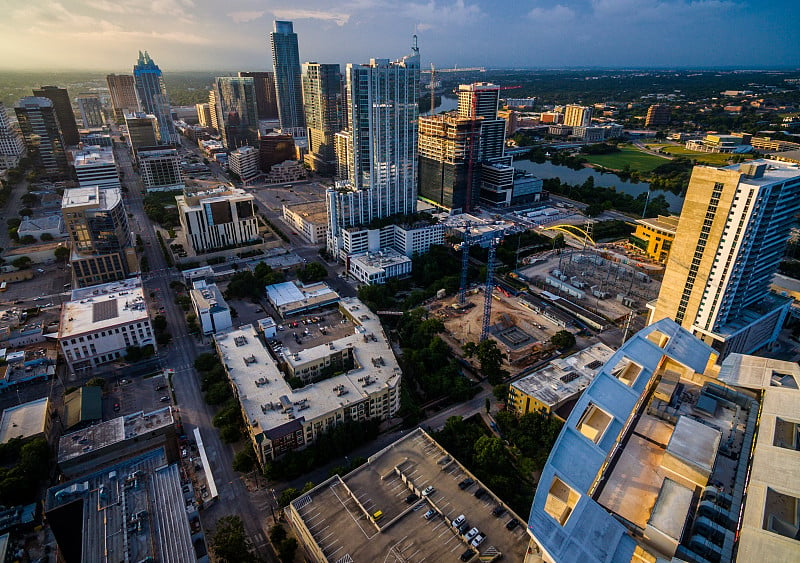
(153, 99)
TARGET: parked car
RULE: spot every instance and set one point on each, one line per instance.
(430, 514)
(471, 534)
(498, 511)
(513, 523)
(465, 483)
(480, 492)
(478, 540)
(467, 555)
(411, 498)
(459, 520)
(428, 491)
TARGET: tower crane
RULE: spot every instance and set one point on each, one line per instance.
(487, 297)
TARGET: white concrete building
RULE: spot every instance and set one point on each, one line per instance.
(160, 169)
(95, 166)
(378, 267)
(212, 312)
(309, 219)
(405, 239)
(26, 421)
(101, 321)
(52, 225)
(244, 163)
(279, 418)
(12, 147)
(217, 218)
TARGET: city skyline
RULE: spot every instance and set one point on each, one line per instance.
(186, 34)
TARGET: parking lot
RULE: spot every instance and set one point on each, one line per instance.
(342, 515)
(306, 331)
(135, 394)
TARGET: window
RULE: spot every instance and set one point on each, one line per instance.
(593, 422)
(787, 434)
(626, 371)
(780, 514)
(561, 501)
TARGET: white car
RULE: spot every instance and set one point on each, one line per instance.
(458, 521)
(428, 490)
(471, 534)
(478, 540)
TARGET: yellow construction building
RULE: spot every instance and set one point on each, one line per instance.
(655, 236)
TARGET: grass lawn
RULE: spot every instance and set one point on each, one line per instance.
(712, 158)
(633, 157)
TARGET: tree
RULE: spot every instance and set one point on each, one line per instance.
(500, 392)
(312, 272)
(563, 339)
(287, 549)
(61, 253)
(27, 239)
(97, 382)
(277, 534)
(245, 460)
(230, 542)
(488, 405)
(490, 357)
(26, 212)
(287, 496)
(22, 263)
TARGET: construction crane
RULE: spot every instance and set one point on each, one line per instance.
(462, 292)
(433, 88)
(487, 297)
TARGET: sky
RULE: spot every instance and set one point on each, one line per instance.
(233, 34)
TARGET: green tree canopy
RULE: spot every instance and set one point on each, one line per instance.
(312, 272)
(563, 339)
(229, 542)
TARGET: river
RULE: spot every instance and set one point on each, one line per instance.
(447, 104)
(570, 176)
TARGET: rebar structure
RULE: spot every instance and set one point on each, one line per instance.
(462, 292)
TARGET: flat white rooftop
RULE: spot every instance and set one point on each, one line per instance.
(93, 156)
(103, 306)
(265, 395)
(91, 196)
(372, 263)
(22, 421)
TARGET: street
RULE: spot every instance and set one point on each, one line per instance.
(179, 355)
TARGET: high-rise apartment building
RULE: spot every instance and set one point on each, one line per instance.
(218, 218)
(729, 241)
(288, 88)
(122, 88)
(11, 144)
(235, 99)
(322, 100)
(142, 130)
(244, 162)
(448, 161)
(203, 114)
(63, 109)
(382, 117)
(160, 169)
(42, 134)
(212, 109)
(152, 94)
(266, 100)
(577, 116)
(97, 224)
(91, 110)
(95, 166)
(657, 114)
(481, 100)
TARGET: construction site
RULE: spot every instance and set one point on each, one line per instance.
(580, 288)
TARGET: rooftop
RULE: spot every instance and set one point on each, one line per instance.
(99, 307)
(132, 511)
(287, 297)
(93, 156)
(24, 421)
(313, 212)
(668, 223)
(92, 196)
(337, 514)
(374, 262)
(208, 296)
(775, 171)
(269, 401)
(563, 378)
(98, 436)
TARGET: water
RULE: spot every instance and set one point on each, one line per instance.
(448, 104)
(570, 176)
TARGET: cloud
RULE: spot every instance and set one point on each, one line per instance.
(339, 19)
(245, 16)
(438, 14)
(557, 14)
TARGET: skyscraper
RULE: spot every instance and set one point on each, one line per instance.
(42, 134)
(448, 161)
(142, 130)
(657, 114)
(286, 60)
(63, 109)
(152, 94)
(203, 114)
(91, 110)
(235, 99)
(322, 101)
(11, 144)
(382, 117)
(577, 116)
(122, 88)
(266, 101)
(730, 239)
